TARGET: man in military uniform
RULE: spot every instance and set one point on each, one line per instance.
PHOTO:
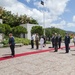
(37, 41)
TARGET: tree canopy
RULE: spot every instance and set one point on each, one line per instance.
(37, 29)
(18, 30)
(52, 30)
(15, 20)
(6, 29)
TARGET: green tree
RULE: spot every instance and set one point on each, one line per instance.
(6, 29)
(15, 20)
(33, 21)
(48, 32)
(52, 30)
(37, 29)
(18, 30)
(2, 30)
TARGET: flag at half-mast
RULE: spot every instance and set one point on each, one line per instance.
(42, 2)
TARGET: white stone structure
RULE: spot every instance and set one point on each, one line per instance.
(28, 27)
(1, 37)
(1, 21)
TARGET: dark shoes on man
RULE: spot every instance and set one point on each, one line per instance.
(55, 51)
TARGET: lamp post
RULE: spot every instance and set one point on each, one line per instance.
(42, 3)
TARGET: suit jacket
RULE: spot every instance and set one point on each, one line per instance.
(59, 39)
(67, 39)
(55, 40)
(52, 39)
(12, 41)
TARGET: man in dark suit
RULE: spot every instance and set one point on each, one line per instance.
(52, 39)
(32, 42)
(56, 42)
(59, 40)
(12, 44)
(67, 42)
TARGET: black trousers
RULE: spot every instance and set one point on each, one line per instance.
(12, 47)
(59, 44)
(32, 43)
(67, 48)
(56, 47)
(52, 44)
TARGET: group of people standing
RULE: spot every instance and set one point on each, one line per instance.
(36, 40)
(56, 42)
(57, 39)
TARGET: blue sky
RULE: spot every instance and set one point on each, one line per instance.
(58, 13)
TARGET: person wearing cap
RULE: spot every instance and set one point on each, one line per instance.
(56, 42)
(67, 42)
(12, 44)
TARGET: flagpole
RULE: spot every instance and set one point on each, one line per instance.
(43, 16)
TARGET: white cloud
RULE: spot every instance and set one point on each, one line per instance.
(58, 25)
(74, 18)
(71, 24)
(53, 9)
(56, 7)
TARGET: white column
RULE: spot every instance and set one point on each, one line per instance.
(1, 21)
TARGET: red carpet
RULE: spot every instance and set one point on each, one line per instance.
(28, 53)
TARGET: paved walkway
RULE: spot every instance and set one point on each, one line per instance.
(45, 63)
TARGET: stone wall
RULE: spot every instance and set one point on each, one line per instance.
(28, 27)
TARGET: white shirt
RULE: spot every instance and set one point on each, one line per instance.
(74, 39)
(32, 38)
(41, 41)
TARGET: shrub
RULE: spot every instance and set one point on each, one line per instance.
(22, 40)
(17, 40)
(48, 42)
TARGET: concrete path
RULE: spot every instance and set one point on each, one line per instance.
(47, 63)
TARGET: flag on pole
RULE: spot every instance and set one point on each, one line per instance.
(42, 2)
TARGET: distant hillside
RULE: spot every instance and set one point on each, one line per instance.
(70, 32)
(50, 31)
